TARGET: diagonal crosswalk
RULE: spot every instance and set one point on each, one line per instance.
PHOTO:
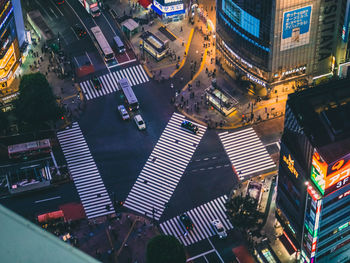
(201, 216)
(246, 152)
(136, 75)
(86, 176)
(163, 169)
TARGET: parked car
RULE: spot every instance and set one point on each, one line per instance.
(79, 30)
(139, 122)
(219, 228)
(189, 126)
(96, 83)
(123, 112)
(186, 223)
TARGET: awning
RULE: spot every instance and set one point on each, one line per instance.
(145, 3)
(287, 244)
(73, 211)
(49, 216)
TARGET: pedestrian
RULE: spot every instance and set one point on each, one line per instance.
(181, 29)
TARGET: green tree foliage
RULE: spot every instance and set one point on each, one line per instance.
(162, 248)
(4, 122)
(242, 212)
(36, 103)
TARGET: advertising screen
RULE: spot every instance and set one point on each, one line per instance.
(338, 174)
(329, 178)
(243, 19)
(296, 28)
(318, 172)
(168, 9)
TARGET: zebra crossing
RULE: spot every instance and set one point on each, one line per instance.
(86, 176)
(163, 169)
(201, 216)
(246, 152)
(136, 75)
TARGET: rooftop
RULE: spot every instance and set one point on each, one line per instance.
(22, 241)
(324, 114)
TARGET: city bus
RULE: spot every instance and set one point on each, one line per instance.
(130, 98)
(103, 45)
(119, 43)
(25, 150)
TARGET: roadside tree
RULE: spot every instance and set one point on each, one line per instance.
(164, 248)
(36, 104)
(243, 213)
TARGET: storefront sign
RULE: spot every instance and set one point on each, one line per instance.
(296, 28)
(168, 9)
(327, 28)
(294, 70)
(338, 174)
(255, 79)
(290, 164)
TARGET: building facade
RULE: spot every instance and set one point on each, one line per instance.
(169, 10)
(12, 38)
(273, 42)
(313, 190)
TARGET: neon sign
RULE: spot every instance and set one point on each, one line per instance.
(290, 163)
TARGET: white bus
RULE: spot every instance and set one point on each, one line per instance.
(129, 95)
(104, 47)
(91, 6)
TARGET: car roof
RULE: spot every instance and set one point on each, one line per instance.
(121, 107)
(138, 117)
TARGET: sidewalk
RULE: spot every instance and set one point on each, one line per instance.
(119, 239)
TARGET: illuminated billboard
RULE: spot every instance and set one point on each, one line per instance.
(296, 28)
(318, 172)
(338, 174)
(243, 19)
(329, 178)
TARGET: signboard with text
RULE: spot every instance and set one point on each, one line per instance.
(296, 28)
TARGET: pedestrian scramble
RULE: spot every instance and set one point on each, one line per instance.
(246, 152)
(164, 168)
(136, 75)
(201, 217)
(86, 176)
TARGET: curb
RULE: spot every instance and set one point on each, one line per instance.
(150, 75)
(186, 51)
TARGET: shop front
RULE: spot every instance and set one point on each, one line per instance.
(169, 10)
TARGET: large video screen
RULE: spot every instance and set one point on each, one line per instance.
(329, 178)
(243, 19)
(296, 28)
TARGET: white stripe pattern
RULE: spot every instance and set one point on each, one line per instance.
(164, 168)
(201, 216)
(246, 152)
(136, 75)
(86, 176)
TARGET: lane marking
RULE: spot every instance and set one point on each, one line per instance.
(53, 12)
(206, 159)
(75, 34)
(48, 199)
(200, 255)
(57, 9)
(217, 253)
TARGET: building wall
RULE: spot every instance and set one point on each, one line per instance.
(302, 38)
(10, 55)
(19, 21)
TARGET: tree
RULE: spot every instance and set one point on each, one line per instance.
(164, 248)
(4, 122)
(242, 212)
(36, 103)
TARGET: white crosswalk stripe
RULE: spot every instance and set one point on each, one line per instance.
(86, 176)
(246, 152)
(163, 169)
(136, 75)
(201, 216)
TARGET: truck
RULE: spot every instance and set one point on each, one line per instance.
(91, 7)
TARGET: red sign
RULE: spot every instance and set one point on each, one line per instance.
(338, 174)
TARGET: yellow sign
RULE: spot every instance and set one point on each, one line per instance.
(290, 163)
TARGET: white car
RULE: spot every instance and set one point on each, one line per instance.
(219, 228)
(139, 122)
(123, 112)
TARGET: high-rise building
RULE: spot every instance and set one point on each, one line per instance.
(313, 189)
(12, 37)
(274, 42)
